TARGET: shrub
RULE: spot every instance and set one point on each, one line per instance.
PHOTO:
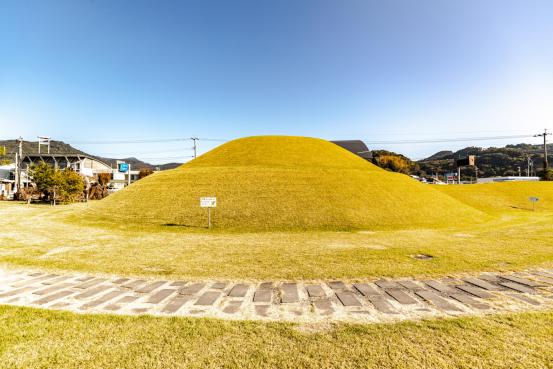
(144, 173)
(547, 175)
(64, 185)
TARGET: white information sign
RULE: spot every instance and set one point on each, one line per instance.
(208, 202)
(533, 200)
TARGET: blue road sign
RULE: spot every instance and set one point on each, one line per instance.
(123, 167)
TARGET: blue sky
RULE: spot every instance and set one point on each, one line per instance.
(376, 70)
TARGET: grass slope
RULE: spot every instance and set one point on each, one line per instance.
(494, 198)
(32, 338)
(278, 182)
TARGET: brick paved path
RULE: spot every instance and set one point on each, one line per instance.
(367, 301)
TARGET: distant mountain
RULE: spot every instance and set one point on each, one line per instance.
(492, 161)
(29, 147)
(60, 147)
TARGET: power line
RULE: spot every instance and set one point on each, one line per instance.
(149, 152)
(140, 141)
(167, 157)
(439, 140)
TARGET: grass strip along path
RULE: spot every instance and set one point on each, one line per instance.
(32, 338)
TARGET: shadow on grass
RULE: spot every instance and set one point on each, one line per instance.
(183, 226)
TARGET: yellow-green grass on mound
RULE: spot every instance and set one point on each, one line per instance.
(282, 183)
(32, 338)
(494, 198)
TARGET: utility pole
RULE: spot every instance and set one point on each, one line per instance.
(194, 139)
(18, 159)
(544, 135)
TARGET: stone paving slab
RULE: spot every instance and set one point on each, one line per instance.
(33, 280)
(289, 293)
(482, 284)
(337, 285)
(208, 298)
(435, 299)
(476, 291)
(53, 297)
(518, 287)
(381, 304)
(348, 299)
(176, 303)
(90, 283)
(239, 290)
(365, 289)
(219, 286)
(439, 286)
(384, 300)
(315, 290)
(53, 288)
(324, 305)
(522, 281)
(133, 285)
(52, 281)
(263, 296)
(386, 284)
(92, 291)
(101, 300)
(160, 296)
(401, 297)
(192, 289)
(410, 285)
(469, 301)
(151, 286)
(232, 307)
(121, 302)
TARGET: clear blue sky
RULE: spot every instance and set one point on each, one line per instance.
(86, 70)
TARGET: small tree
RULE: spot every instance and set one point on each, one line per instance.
(69, 185)
(43, 177)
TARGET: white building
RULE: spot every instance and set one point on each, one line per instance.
(506, 179)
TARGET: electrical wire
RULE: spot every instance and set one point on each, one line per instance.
(140, 141)
(439, 140)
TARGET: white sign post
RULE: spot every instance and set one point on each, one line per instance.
(208, 202)
(533, 200)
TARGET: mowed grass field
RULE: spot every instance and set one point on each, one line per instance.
(281, 183)
(39, 236)
(32, 338)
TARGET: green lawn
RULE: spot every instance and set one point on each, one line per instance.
(40, 236)
(32, 338)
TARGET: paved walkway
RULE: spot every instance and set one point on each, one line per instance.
(381, 300)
